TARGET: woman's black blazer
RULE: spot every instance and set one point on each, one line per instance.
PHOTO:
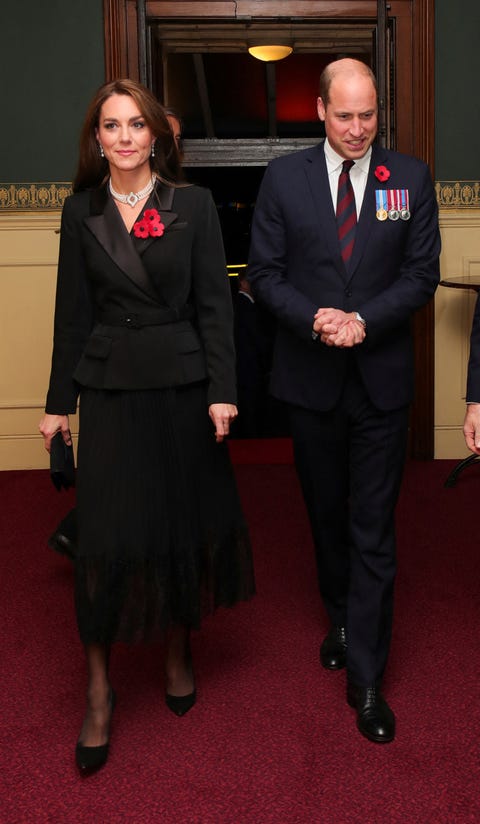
(137, 313)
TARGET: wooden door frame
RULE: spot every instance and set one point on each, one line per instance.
(414, 104)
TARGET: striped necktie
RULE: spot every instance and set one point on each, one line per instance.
(346, 212)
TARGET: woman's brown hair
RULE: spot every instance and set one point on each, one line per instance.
(92, 169)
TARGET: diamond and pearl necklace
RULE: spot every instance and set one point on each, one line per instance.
(132, 198)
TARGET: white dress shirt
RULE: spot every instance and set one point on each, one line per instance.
(358, 174)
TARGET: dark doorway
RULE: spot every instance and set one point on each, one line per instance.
(145, 39)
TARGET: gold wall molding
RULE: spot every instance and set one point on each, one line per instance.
(16, 197)
(37, 197)
(458, 194)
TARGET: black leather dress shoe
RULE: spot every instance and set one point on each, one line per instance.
(333, 651)
(375, 719)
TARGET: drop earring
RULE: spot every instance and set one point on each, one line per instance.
(100, 149)
(153, 149)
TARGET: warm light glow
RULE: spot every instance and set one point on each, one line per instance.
(236, 267)
(270, 53)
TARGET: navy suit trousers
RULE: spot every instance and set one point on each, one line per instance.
(350, 462)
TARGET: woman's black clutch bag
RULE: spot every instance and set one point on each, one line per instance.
(62, 463)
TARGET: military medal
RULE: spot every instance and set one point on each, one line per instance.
(381, 202)
(393, 198)
(404, 208)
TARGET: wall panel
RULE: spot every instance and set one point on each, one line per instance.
(28, 262)
(453, 317)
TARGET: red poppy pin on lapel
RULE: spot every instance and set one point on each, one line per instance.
(382, 173)
(151, 224)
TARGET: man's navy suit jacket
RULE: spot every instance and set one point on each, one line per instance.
(295, 267)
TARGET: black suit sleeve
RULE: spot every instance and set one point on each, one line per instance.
(213, 303)
(269, 260)
(73, 315)
(473, 376)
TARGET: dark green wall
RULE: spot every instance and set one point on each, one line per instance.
(457, 97)
(51, 62)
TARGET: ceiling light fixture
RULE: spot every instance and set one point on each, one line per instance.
(270, 53)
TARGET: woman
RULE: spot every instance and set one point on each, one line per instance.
(143, 336)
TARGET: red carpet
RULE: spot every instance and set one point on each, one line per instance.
(271, 739)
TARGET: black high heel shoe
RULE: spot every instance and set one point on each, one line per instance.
(90, 759)
(180, 704)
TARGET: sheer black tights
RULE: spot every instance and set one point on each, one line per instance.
(179, 681)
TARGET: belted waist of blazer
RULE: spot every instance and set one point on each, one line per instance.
(154, 317)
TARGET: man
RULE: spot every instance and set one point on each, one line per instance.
(343, 293)
(471, 425)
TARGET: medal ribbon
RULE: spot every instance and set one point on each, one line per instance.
(380, 199)
(404, 199)
(394, 199)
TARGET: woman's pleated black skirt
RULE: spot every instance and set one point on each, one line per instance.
(161, 535)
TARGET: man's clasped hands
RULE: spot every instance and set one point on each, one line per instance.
(338, 328)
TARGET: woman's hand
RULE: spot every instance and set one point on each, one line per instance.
(222, 414)
(50, 425)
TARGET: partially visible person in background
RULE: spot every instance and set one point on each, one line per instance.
(143, 337)
(471, 425)
(260, 415)
(176, 125)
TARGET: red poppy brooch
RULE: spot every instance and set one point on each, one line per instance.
(150, 225)
(382, 173)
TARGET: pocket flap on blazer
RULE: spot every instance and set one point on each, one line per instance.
(98, 346)
(174, 227)
(187, 340)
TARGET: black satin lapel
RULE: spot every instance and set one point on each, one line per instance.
(161, 199)
(110, 231)
(319, 183)
(163, 195)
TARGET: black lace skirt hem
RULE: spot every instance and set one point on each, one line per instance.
(132, 601)
(161, 535)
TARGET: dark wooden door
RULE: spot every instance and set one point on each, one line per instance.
(406, 62)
